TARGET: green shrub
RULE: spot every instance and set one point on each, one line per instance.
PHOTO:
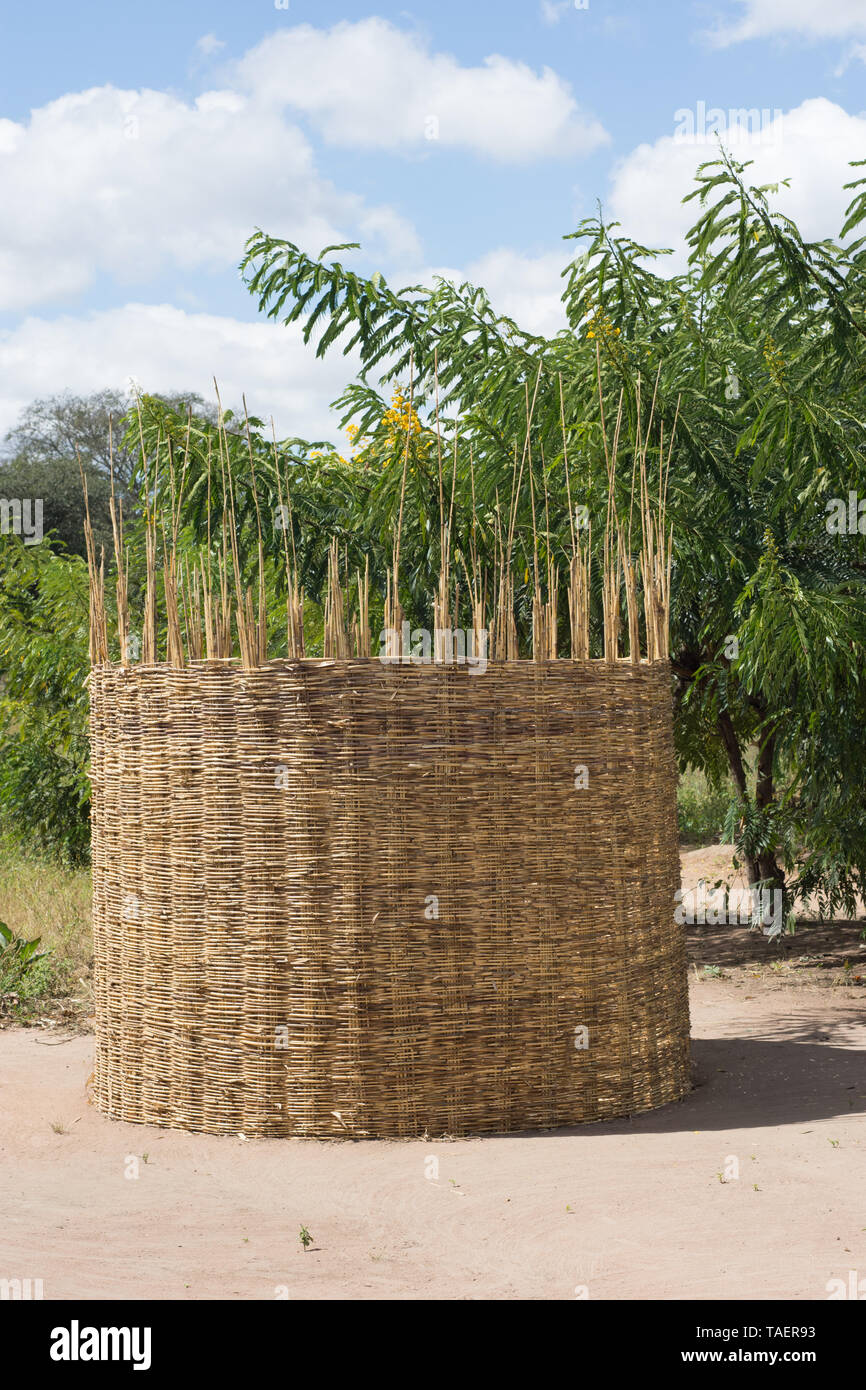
(44, 662)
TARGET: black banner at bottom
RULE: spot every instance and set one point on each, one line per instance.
(248, 1339)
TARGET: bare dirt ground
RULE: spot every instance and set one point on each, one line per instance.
(752, 1187)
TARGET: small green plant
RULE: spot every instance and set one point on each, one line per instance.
(305, 1238)
(18, 959)
(59, 1127)
(27, 975)
(15, 952)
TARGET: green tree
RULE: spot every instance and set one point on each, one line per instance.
(39, 458)
(756, 351)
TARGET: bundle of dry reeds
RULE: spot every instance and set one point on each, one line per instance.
(206, 603)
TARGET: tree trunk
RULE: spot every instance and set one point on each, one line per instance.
(764, 796)
(738, 772)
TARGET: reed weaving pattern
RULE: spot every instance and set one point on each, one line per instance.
(345, 898)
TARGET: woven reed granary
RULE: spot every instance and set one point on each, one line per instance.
(346, 898)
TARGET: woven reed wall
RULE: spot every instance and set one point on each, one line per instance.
(267, 846)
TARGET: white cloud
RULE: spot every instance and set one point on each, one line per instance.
(552, 11)
(209, 44)
(526, 288)
(856, 52)
(128, 183)
(371, 85)
(812, 19)
(812, 145)
(163, 348)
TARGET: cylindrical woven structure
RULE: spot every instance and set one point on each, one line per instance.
(344, 898)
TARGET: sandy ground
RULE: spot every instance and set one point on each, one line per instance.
(754, 1186)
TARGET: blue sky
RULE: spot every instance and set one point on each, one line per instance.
(140, 144)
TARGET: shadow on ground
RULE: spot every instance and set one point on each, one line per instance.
(793, 1078)
(824, 945)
